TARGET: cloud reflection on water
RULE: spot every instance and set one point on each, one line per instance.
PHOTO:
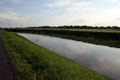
(103, 59)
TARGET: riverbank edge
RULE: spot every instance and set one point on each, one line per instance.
(26, 71)
(104, 38)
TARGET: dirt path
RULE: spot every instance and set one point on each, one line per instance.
(5, 69)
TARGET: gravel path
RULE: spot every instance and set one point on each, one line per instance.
(5, 69)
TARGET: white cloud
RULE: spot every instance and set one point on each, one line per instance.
(59, 3)
(9, 16)
(78, 5)
(104, 18)
(111, 1)
(72, 5)
(109, 17)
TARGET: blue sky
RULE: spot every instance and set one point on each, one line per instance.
(15, 13)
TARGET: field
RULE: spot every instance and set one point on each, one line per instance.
(108, 37)
(32, 62)
(87, 30)
(61, 29)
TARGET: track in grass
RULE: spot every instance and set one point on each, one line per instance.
(5, 69)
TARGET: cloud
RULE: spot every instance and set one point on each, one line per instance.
(104, 18)
(111, 1)
(59, 3)
(10, 1)
(72, 5)
(9, 16)
(16, 1)
(79, 5)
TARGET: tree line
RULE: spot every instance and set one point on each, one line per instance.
(78, 27)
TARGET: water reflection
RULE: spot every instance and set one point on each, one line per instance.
(103, 59)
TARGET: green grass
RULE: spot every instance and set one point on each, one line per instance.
(86, 30)
(32, 62)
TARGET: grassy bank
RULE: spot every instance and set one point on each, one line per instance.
(108, 37)
(86, 30)
(32, 62)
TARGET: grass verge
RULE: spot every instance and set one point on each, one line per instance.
(108, 37)
(32, 62)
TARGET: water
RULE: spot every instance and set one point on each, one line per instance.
(103, 59)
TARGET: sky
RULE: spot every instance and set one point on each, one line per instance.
(24, 13)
